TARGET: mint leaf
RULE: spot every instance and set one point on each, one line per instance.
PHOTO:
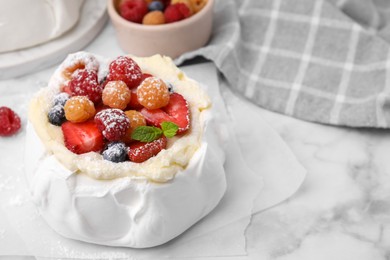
(169, 129)
(146, 133)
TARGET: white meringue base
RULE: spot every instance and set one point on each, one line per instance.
(128, 211)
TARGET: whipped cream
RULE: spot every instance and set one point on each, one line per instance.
(134, 210)
(25, 23)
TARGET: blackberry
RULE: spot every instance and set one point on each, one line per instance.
(60, 99)
(56, 115)
(115, 152)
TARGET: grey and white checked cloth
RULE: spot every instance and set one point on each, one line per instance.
(325, 61)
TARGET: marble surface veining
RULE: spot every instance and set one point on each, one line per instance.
(342, 211)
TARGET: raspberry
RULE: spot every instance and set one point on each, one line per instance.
(113, 123)
(188, 3)
(79, 109)
(9, 122)
(116, 94)
(154, 18)
(133, 10)
(136, 120)
(125, 69)
(176, 12)
(153, 93)
(85, 83)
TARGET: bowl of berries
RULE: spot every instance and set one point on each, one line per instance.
(166, 27)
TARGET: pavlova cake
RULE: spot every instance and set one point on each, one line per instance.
(123, 152)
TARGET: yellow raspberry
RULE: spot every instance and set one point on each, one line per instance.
(116, 94)
(153, 93)
(154, 18)
(79, 109)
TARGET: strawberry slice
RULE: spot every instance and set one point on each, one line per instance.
(177, 111)
(140, 152)
(83, 137)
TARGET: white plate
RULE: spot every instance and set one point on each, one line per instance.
(92, 19)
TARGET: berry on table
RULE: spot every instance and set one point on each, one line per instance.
(116, 94)
(79, 109)
(154, 18)
(83, 137)
(56, 115)
(9, 122)
(153, 93)
(140, 152)
(113, 123)
(125, 69)
(115, 152)
(85, 83)
(133, 10)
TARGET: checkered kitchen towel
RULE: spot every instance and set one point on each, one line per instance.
(325, 61)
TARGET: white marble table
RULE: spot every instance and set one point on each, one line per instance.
(342, 211)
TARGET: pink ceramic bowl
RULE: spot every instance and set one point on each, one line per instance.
(171, 39)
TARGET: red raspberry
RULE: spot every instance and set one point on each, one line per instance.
(133, 10)
(85, 83)
(176, 12)
(125, 69)
(9, 122)
(113, 123)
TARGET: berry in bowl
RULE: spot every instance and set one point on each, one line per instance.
(166, 27)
